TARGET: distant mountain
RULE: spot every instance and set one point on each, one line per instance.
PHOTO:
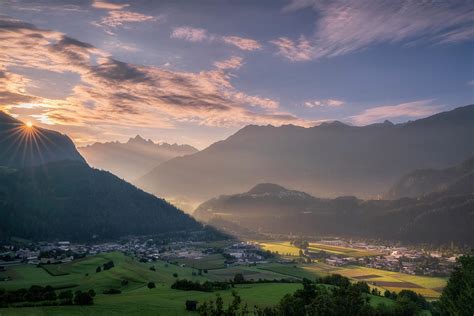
(264, 199)
(69, 200)
(438, 218)
(425, 181)
(329, 160)
(134, 158)
(22, 146)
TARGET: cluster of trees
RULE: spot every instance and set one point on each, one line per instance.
(106, 266)
(44, 295)
(300, 243)
(112, 291)
(207, 286)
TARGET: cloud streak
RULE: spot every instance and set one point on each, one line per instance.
(415, 109)
(192, 34)
(345, 26)
(331, 103)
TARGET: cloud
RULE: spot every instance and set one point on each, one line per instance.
(116, 17)
(192, 34)
(232, 63)
(110, 93)
(242, 43)
(258, 101)
(294, 51)
(324, 103)
(108, 5)
(415, 109)
(345, 26)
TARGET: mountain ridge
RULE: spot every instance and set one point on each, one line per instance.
(133, 158)
(326, 160)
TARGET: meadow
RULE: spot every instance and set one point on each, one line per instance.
(136, 297)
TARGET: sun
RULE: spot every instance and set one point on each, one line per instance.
(29, 124)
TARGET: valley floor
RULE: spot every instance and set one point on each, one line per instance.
(137, 299)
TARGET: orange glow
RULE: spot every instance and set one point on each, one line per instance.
(29, 124)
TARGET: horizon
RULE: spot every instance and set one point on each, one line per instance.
(194, 74)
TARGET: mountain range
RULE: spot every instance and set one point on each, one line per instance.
(329, 160)
(48, 191)
(438, 217)
(134, 158)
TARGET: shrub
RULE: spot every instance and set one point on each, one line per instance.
(191, 305)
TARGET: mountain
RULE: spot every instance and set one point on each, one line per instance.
(425, 181)
(331, 159)
(47, 191)
(437, 218)
(134, 158)
(69, 200)
(21, 145)
(265, 199)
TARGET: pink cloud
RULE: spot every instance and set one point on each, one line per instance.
(415, 109)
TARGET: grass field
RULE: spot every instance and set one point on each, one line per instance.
(286, 249)
(349, 252)
(215, 261)
(136, 298)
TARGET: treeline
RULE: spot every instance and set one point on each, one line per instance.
(37, 295)
(207, 286)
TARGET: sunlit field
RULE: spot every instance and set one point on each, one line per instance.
(162, 300)
(429, 287)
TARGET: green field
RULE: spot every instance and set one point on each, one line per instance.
(215, 261)
(285, 248)
(136, 298)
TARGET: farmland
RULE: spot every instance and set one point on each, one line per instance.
(427, 286)
(136, 297)
(285, 248)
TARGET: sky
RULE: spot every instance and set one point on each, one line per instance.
(195, 72)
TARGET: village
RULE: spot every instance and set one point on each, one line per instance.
(410, 260)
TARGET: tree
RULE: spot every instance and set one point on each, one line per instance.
(191, 305)
(99, 269)
(151, 285)
(83, 298)
(239, 278)
(458, 295)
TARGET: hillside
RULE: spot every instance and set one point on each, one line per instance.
(329, 160)
(21, 145)
(422, 182)
(69, 200)
(134, 158)
(437, 218)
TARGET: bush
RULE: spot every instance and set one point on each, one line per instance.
(239, 278)
(191, 305)
(108, 265)
(151, 285)
(83, 298)
(112, 291)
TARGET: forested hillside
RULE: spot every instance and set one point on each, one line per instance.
(69, 200)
